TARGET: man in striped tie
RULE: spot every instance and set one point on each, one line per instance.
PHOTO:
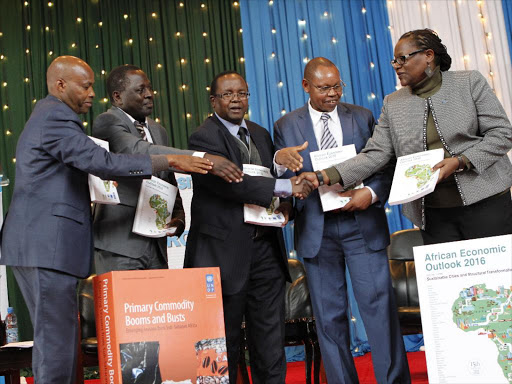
(354, 236)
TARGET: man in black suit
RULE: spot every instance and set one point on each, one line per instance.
(252, 259)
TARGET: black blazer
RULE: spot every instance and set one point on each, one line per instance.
(218, 234)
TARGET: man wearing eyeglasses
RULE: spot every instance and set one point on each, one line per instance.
(354, 236)
(252, 259)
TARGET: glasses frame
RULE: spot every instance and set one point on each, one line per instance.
(245, 95)
(404, 58)
(326, 90)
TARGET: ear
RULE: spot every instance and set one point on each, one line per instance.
(429, 53)
(305, 85)
(116, 97)
(61, 85)
(212, 101)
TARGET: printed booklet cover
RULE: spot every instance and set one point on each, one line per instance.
(102, 191)
(413, 176)
(160, 326)
(465, 292)
(154, 208)
(254, 214)
(330, 194)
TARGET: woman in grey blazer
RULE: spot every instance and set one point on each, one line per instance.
(453, 110)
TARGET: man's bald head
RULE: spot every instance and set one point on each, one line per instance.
(313, 65)
(70, 79)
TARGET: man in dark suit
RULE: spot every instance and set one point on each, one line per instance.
(128, 129)
(354, 236)
(47, 235)
(252, 259)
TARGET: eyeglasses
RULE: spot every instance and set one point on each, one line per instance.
(228, 96)
(401, 60)
(338, 88)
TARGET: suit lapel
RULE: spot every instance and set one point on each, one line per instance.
(155, 133)
(229, 140)
(261, 145)
(305, 125)
(119, 113)
(347, 124)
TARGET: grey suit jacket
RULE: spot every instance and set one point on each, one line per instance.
(112, 226)
(470, 121)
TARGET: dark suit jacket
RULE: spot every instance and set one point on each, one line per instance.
(49, 220)
(218, 234)
(113, 223)
(357, 124)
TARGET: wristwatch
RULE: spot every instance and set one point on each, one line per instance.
(462, 164)
(320, 177)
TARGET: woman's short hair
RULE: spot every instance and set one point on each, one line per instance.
(428, 39)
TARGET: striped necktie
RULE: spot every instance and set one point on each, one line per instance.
(328, 141)
(140, 128)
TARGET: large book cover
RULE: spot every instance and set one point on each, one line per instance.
(330, 194)
(254, 214)
(465, 293)
(102, 191)
(413, 176)
(160, 326)
(154, 208)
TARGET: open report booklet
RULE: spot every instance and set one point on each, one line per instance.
(329, 194)
(154, 208)
(413, 176)
(254, 214)
(102, 191)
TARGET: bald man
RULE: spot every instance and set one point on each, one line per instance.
(353, 237)
(47, 233)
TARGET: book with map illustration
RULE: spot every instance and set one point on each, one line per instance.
(465, 295)
(330, 194)
(154, 208)
(413, 176)
(254, 214)
(102, 191)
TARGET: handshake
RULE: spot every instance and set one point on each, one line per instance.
(306, 182)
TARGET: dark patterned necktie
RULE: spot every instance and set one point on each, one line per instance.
(243, 136)
(140, 128)
(328, 141)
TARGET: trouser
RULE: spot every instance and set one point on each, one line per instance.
(51, 299)
(489, 217)
(261, 301)
(343, 246)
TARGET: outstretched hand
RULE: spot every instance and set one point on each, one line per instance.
(290, 157)
(187, 163)
(301, 189)
(224, 168)
(310, 176)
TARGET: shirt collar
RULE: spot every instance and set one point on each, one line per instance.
(132, 119)
(316, 115)
(233, 128)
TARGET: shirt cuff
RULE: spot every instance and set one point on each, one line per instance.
(333, 175)
(278, 168)
(159, 163)
(375, 198)
(283, 188)
(199, 154)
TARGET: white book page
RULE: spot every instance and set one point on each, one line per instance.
(154, 208)
(413, 176)
(102, 191)
(329, 194)
(254, 214)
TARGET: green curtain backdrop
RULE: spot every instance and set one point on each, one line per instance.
(181, 45)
